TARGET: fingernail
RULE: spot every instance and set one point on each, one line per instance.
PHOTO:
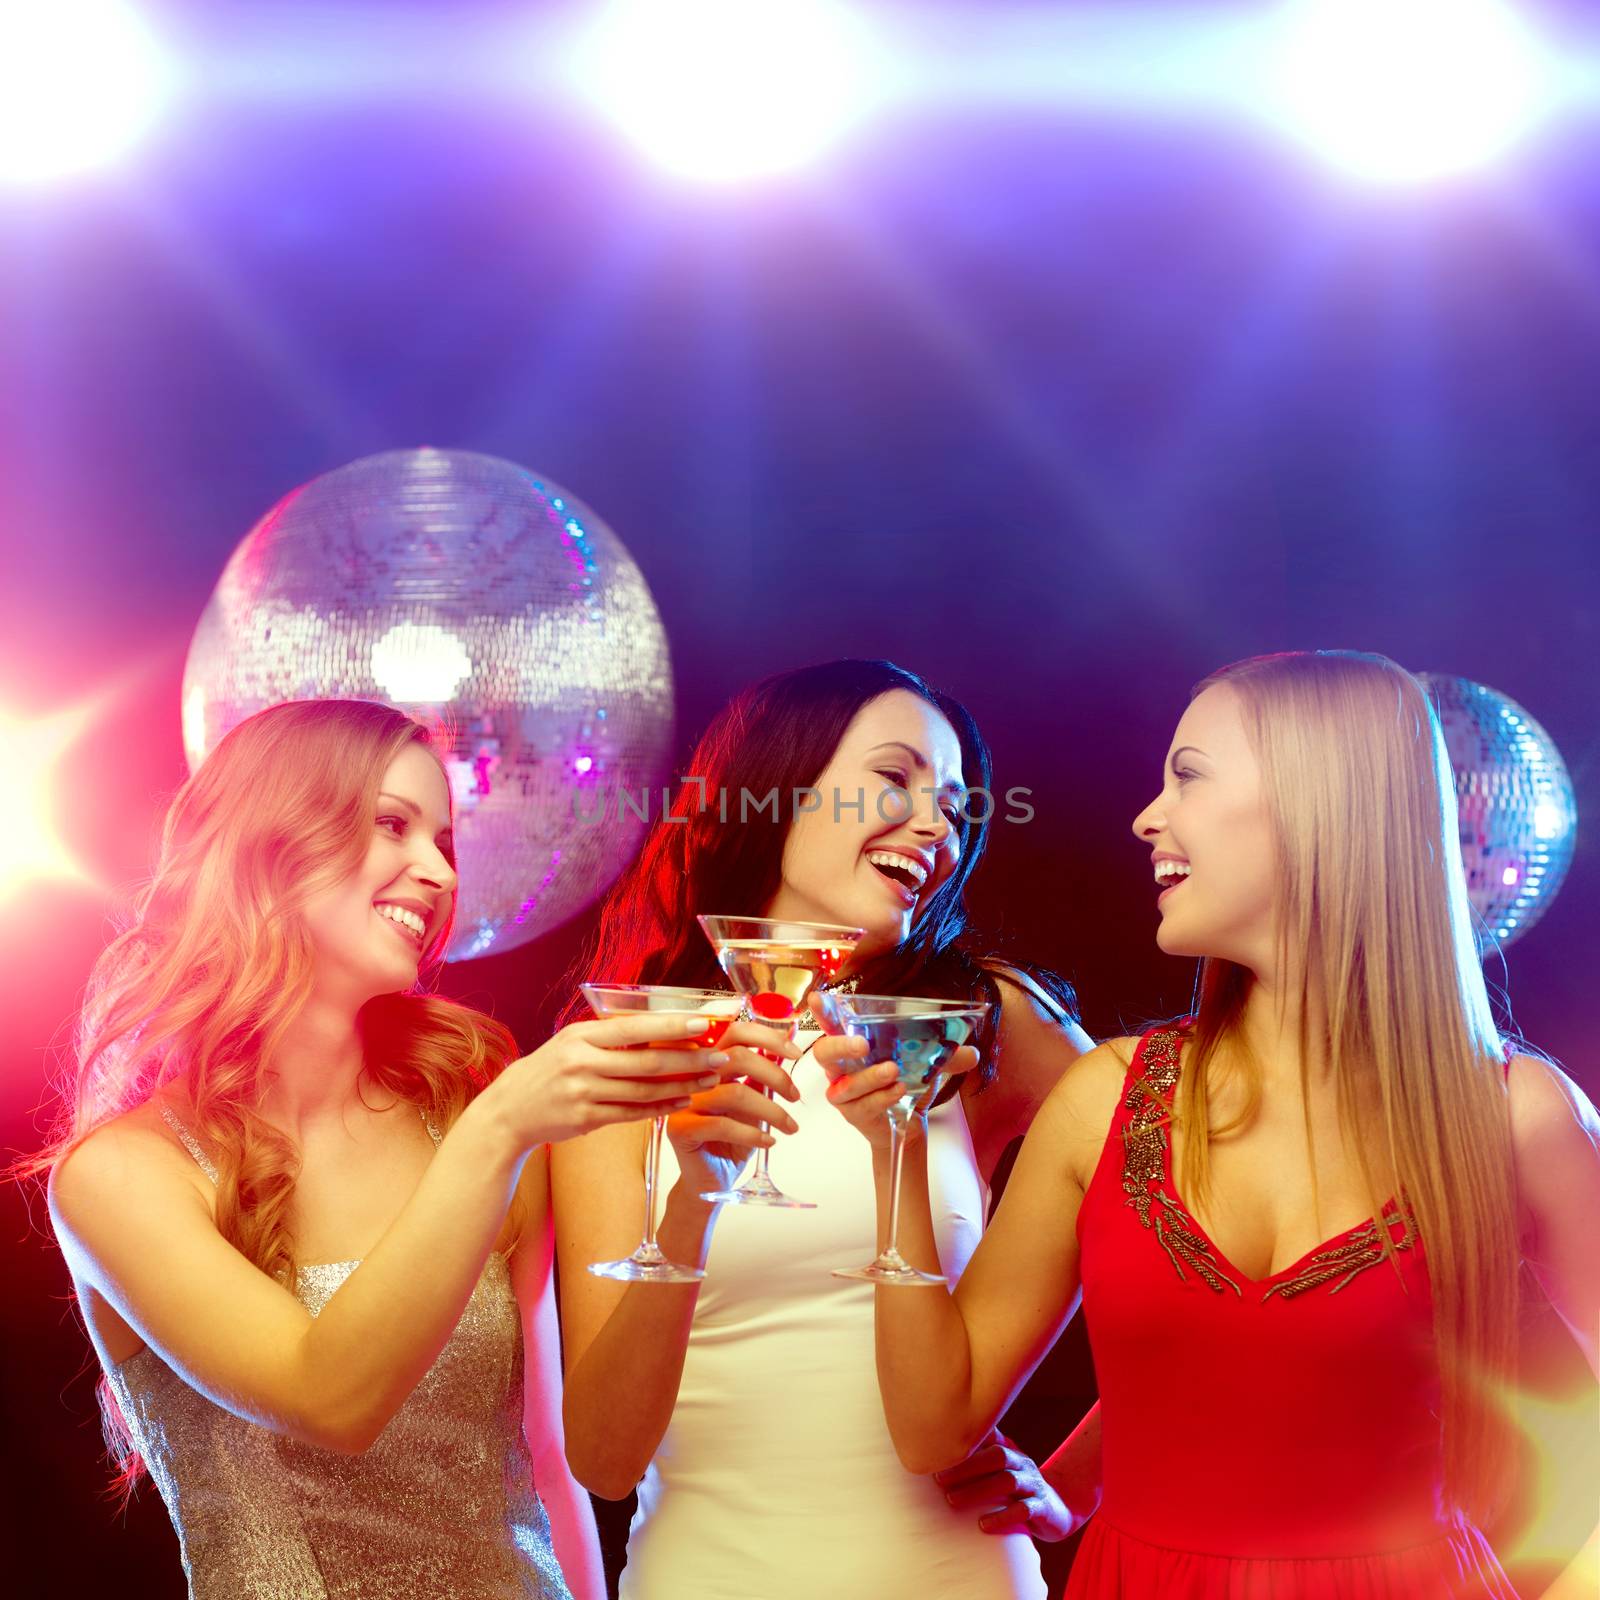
(710, 1081)
(719, 1058)
(696, 1024)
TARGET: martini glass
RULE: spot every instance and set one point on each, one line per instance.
(720, 1009)
(774, 964)
(919, 1036)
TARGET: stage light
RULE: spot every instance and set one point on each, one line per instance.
(29, 846)
(80, 80)
(726, 89)
(1401, 91)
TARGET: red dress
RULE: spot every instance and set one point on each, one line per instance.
(1263, 1439)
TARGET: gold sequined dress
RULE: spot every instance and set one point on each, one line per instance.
(441, 1507)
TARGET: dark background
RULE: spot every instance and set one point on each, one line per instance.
(1061, 411)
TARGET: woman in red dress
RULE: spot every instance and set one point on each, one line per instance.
(1297, 1218)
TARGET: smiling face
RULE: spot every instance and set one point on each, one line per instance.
(878, 866)
(370, 930)
(1212, 839)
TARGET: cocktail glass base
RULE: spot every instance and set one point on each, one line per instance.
(758, 1190)
(646, 1265)
(894, 1271)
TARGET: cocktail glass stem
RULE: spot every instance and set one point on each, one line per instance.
(897, 1155)
(890, 1267)
(649, 1250)
(759, 1184)
(760, 1178)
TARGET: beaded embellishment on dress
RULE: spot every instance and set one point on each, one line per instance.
(1144, 1164)
(1146, 1151)
(1360, 1249)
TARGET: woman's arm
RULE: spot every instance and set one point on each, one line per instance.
(1036, 1043)
(625, 1343)
(1555, 1138)
(137, 1230)
(948, 1365)
(1074, 1470)
(572, 1529)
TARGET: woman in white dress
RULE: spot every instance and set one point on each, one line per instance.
(745, 1407)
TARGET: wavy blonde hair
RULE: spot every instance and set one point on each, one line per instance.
(1374, 921)
(192, 999)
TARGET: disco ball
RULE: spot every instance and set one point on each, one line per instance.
(1519, 817)
(490, 604)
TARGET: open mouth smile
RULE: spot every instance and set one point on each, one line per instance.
(1170, 871)
(409, 924)
(904, 873)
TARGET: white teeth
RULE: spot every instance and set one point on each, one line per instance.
(406, 918)
(1169, 872)
(891, 858)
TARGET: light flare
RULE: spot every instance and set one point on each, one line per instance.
(1560, 1431)
(420, 663)
(1404, 91)
(80, 81)
(722, 90)
(30, 847)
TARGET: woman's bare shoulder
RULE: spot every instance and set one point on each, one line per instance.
(138, 1146)
(1081, 1107)
(1551, 1117)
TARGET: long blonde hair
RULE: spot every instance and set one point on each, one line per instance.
(191, 1000)
(1374, 920)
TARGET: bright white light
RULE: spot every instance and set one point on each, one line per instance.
(1400, 91)
(194, 725)
(29, 846)
(80, 80)
(1547, 819)
(418, 663)
(726, 89)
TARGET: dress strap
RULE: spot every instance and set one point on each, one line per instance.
(189, 1142)
(187, 1139)
(1030, 985)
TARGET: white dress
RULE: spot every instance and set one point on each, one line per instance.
(776, 1479)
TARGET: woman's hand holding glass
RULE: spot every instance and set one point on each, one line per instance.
(921, 1034)
(592, 1074)
(864, 1092)
(714, 1135)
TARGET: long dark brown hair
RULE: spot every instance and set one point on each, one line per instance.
(780, 734)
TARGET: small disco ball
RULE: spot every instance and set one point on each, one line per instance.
(1519, 816)
(491, 605)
